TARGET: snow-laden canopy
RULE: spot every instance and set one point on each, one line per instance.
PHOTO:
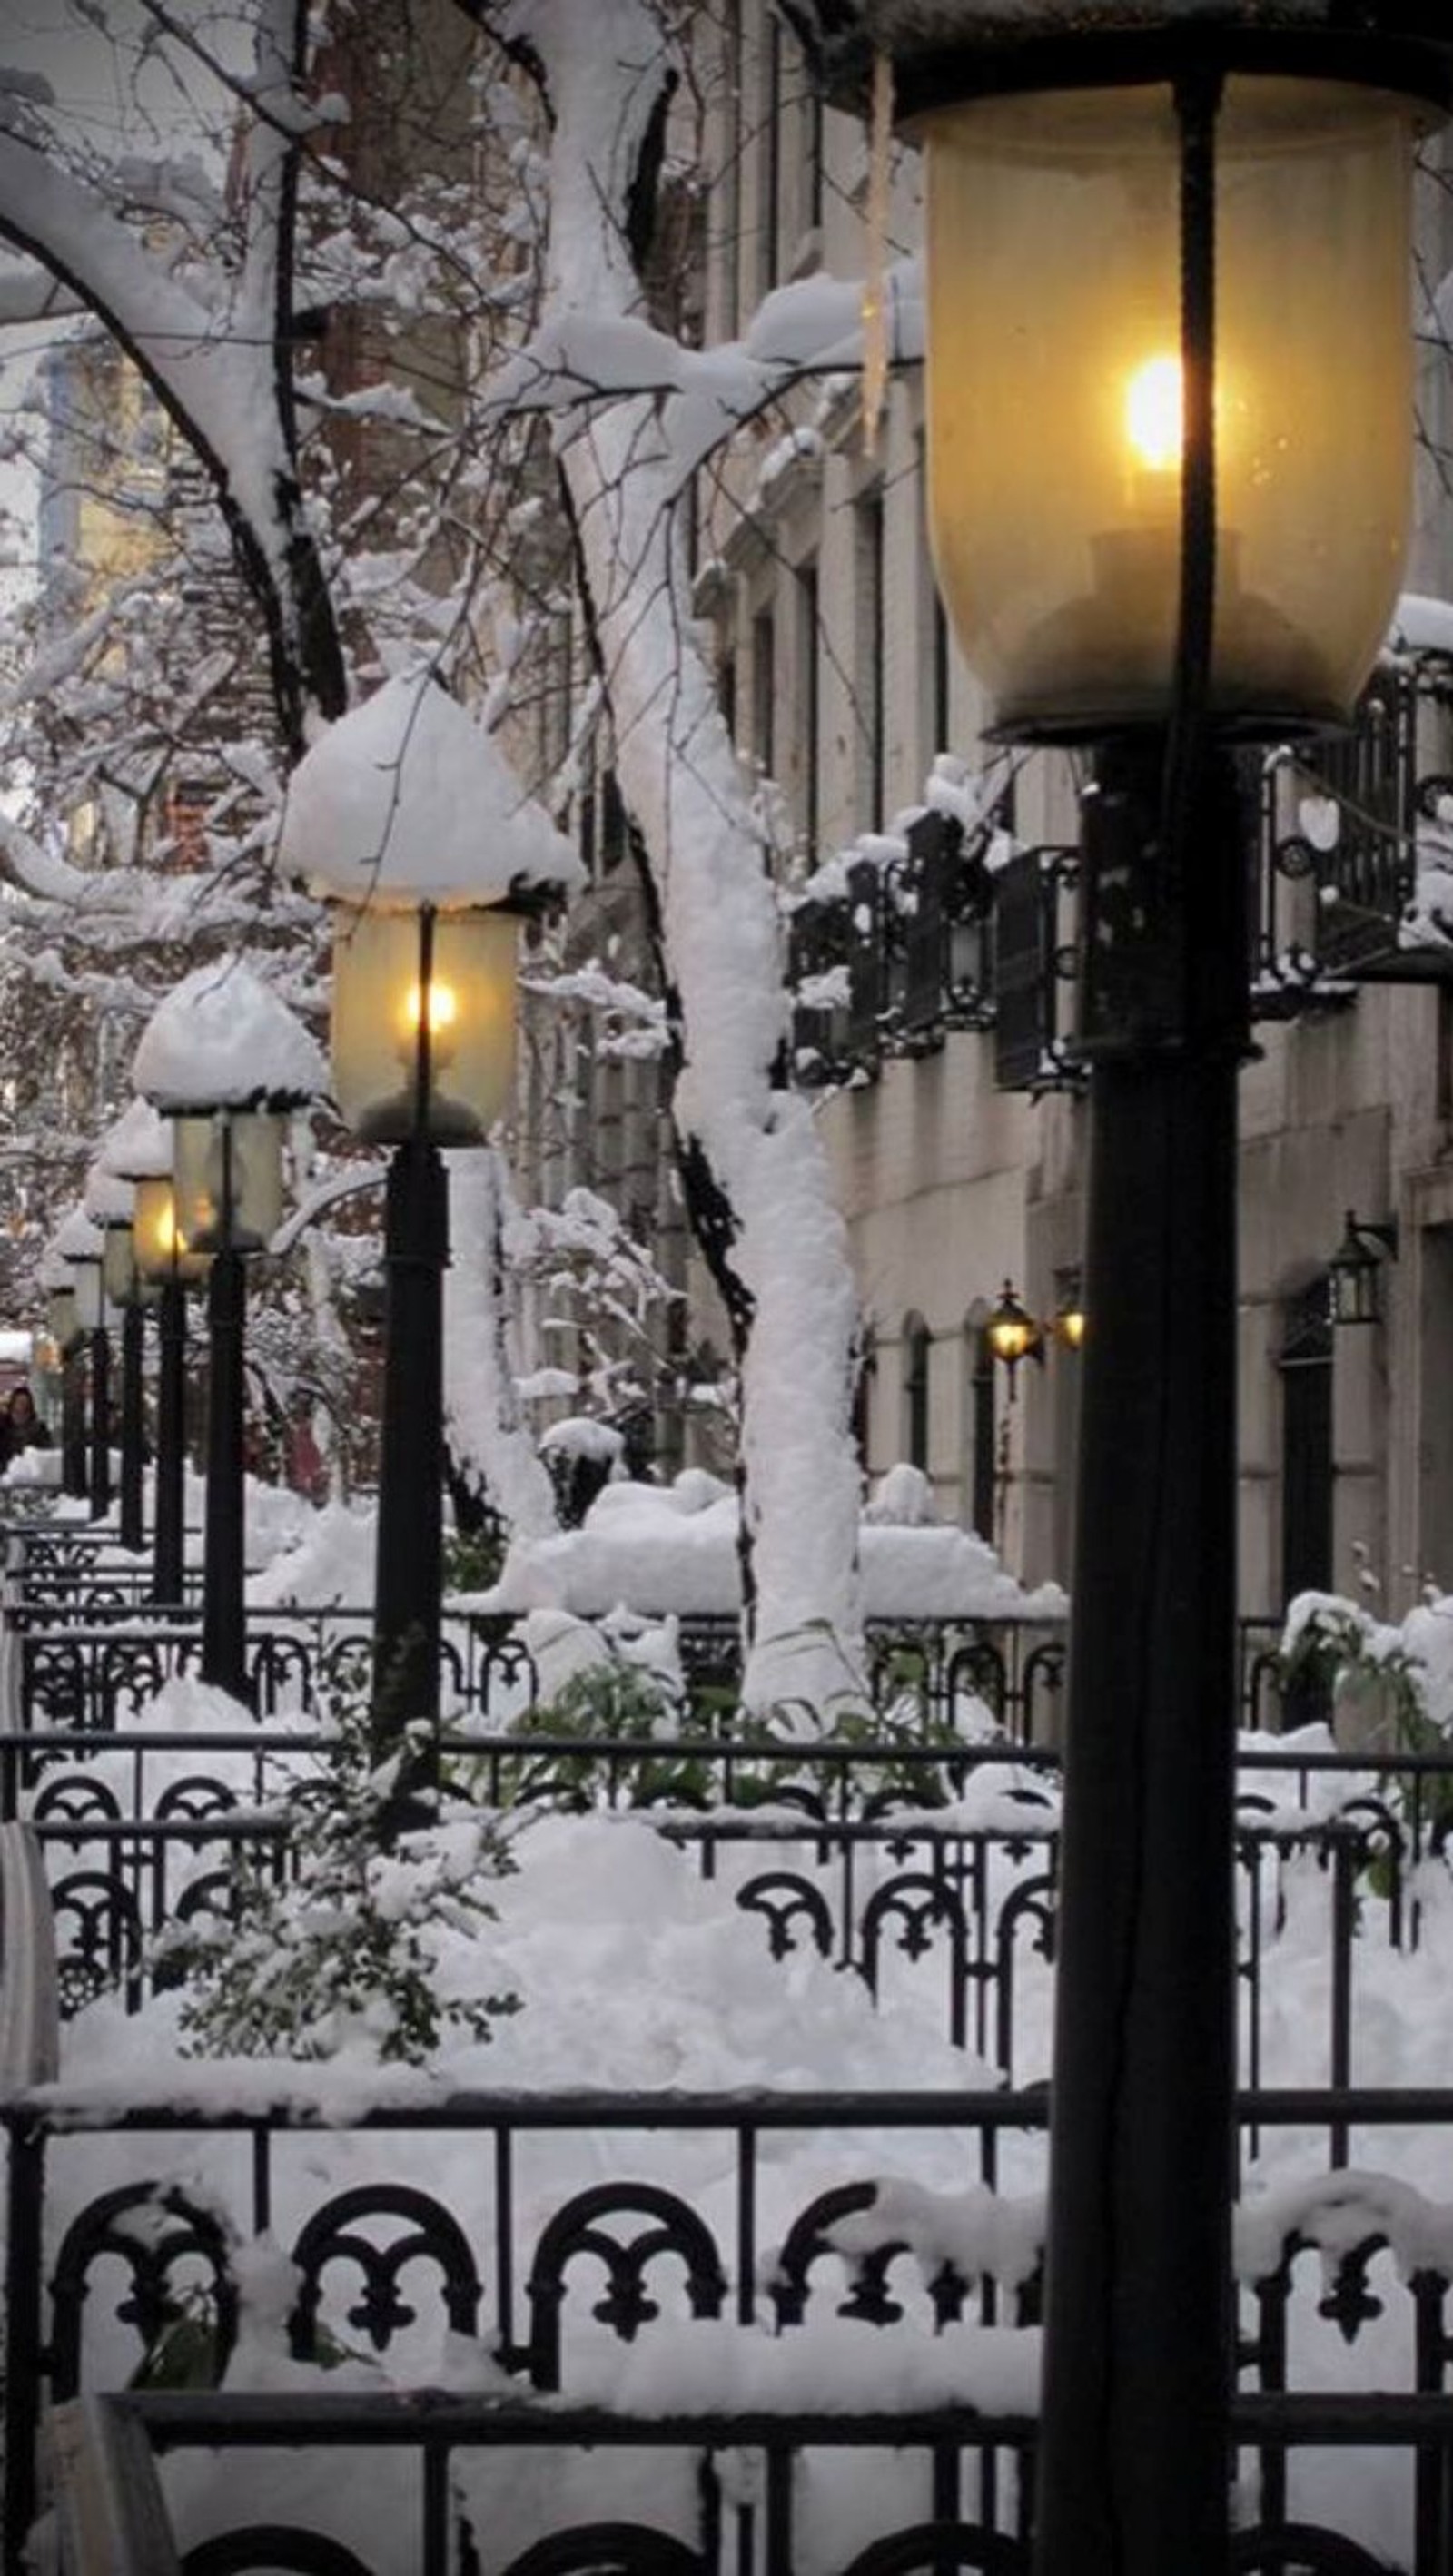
(76, 1239)
(406, 800)
(223, 1039)
(109, 1200)
(139, 1146)
(674, 1548)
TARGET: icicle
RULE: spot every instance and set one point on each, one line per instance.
(875, 283)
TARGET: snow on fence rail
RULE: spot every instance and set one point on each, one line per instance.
(791, 2298)
(894, 1866)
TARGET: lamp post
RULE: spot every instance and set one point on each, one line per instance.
(80, 1243)
(224, 1057)
(58, 1281)
(110, 1202)
(151, 1269)
(407, 818)
(1155, 532)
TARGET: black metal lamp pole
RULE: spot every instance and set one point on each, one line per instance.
(168, 1536)
(100, 1471)
(409, 1575)
(73, 1420)
(130, 1518)
(224, 1634)
(411, 1461)
(1133, 2463)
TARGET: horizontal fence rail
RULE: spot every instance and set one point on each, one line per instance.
(563, 2273)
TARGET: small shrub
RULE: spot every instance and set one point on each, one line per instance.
(346, 1945)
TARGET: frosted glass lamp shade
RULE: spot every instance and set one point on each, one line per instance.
(423, 995)
(118, 1265)
(1055, 398)
(60, 1317)
(90, 1297)
(227, 1174)
(161, 1252)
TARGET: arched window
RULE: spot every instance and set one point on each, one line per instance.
(1305, 1363)
(917, 1344)
(980, 1429)
(862, 1418)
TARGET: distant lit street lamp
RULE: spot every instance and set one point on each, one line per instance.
(225, 1058)
(80, 1243)
(139, 1149)
(58, 1280)
(407, 818)
(1169, 394)
(110, 1202)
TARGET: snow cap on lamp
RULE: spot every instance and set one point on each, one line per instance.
(223, 1039)
(138, 1147)
(407, 801)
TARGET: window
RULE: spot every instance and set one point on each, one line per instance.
(982, 1431)
(769, 235)
(868, 660)
(1305, 1363)
(764, 692)
(809, 700)
(917, 1345)
(862, 1416)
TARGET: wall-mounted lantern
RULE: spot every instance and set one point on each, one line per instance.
(81, 1243)
(1012, 1334)
(1355, 1271)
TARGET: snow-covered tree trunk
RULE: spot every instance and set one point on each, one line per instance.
(221, 366)
(490, 1442)
(753, 1164)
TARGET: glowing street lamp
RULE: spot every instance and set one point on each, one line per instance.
(1169, 391)
(63, 1325)
(225, 1059)
(109, 1202)
(139, 1149)
(80, 1243)
(407, 818)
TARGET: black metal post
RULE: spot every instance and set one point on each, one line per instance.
(73, 1421)
(168, 1538)
(130, 1518)
(100, 1475)
(1133, 2462)
(224, 1640)
(411, 1462)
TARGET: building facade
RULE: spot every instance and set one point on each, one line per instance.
(930, 886)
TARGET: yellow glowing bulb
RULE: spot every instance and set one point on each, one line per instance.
(443, 1008)
(1153, 414)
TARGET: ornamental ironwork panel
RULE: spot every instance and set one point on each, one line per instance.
(1034, 968)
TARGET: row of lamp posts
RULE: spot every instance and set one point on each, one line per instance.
(407, 819)
(1169, 438)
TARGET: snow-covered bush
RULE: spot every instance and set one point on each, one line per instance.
(345, 1948)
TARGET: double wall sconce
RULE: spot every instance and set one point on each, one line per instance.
(1013, 1334)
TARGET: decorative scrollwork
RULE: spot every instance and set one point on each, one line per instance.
(272, 2549)
(153, 2231)
(934, 2545)
(1300, 2549)
(334, 2235)
(608, 2549)
(784, 1899)
(579, 2229)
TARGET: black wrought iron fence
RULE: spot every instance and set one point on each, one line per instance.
(902, 2233)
